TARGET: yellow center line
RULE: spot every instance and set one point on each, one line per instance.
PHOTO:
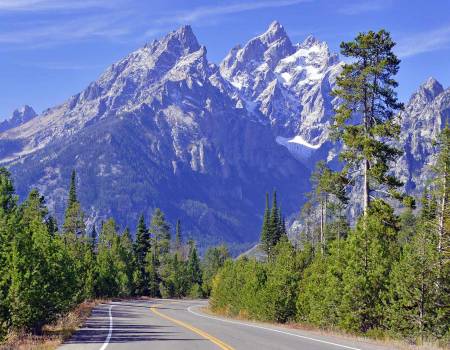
(203, 334)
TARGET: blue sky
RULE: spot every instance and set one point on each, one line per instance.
(51, 49)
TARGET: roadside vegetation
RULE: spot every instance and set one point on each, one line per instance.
(46, 271)
(389, 275)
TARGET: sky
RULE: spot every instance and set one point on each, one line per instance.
(52, 49)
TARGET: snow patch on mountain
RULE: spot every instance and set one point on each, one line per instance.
(298, 147)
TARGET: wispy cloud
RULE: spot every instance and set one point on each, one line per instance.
(432, 40)
(43, 33)
(206, 12)
(59, 66)
(359, 7)
(46, 5)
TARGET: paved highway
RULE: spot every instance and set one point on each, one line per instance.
(170, 324)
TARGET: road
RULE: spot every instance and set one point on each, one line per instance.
(171, 324)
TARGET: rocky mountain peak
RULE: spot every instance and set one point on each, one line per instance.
(310, 41)
(184, 38)
(425, 94)
(19, 116)
(273, 33)
(432, 88)
(24, 113)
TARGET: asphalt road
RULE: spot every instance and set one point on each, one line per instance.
(171, 324)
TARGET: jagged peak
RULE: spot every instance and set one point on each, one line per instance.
(432, 85)
(24, 112)
(19, 116)
(428, 91)
(186, 37)
(273, 33)
(182, 38)
(310, 41)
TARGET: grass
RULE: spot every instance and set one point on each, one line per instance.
(54, 334)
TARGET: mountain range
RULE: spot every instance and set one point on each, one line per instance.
(164, 127)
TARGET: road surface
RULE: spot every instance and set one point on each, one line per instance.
(171, 324)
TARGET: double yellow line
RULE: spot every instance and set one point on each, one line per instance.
(201, 333)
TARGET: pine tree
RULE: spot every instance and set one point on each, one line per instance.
(127, 263)
(194, 271)
(77, 244)
(141, 250)
(370, 252)
(72, 189)
(265, 232)
(74, 224)
(413, 297)
(52, 225)
(160, 230)
(34, 300)
(274, 223)
(8, 226)
(441, 223)
(152, 268)
(364, 120)
(213, 260)
(93, 239)
(178, 237)
(107, 268)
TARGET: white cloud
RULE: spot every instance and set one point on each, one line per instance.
(205, 12)
(432, 40)
(44, 33)
(46, 5)
(359, 7)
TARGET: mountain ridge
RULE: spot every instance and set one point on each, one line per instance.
(165, 127)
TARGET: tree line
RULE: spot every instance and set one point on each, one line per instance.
(45, 271)
(390, 272)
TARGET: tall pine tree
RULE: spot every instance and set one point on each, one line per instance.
(365, 118)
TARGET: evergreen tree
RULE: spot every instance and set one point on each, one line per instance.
(34, 301)
(213, 261)
(141, 250)
(274, 223)
(107, 268)
(194, 271)
(128, 260)
(413, 296)
(280, 290)
(77, 245)
(178, 237)
(52, 225)
(371, 249)
(265, 231)
(8, 226)
(160, 230)
(364, 120)
(74, 224)
(152, 268)
(72, 189)
(93, 239)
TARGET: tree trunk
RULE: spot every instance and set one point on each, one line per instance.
(366, 188)
(321, 226)
(441, 228)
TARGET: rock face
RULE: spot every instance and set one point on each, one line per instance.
(20, 116)
(288, 84)
(158, 128)
(426, 114)
(163, 127)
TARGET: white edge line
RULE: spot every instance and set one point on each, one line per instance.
(108, 338)
(267, 329)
